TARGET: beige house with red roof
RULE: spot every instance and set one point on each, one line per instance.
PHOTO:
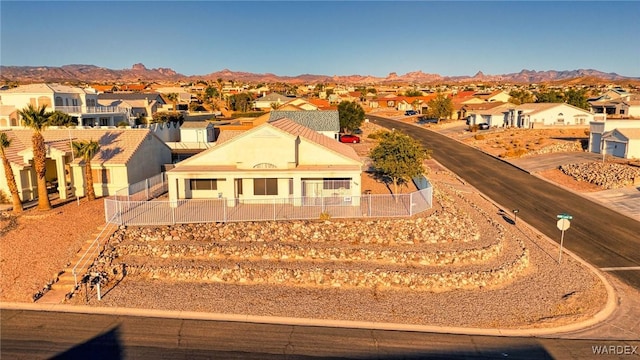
(277, 160)
(533, 115)
(126, 156)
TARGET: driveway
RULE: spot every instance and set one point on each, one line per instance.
(533, 164)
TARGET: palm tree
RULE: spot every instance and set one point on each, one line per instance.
(220, 86)
(11, 180)
(174, 99)
(86, 149)
(38, 120)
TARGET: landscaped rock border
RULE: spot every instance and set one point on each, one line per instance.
(605, 175)
(440, 251)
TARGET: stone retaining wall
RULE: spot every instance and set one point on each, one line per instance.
(293, 252)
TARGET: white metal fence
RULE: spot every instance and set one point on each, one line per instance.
(138, 205)
(144, 190)
(161, 212)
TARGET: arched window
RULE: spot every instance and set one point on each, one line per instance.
(44, 100)
(58, 101)
(264, 166)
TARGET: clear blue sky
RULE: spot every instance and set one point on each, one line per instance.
(328, 38)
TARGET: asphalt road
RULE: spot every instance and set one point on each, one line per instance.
(58, 335)
(599, 235)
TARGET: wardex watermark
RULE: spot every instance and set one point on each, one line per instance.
(614, 350)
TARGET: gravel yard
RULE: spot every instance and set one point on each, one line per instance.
(541, 295)
(37, 245)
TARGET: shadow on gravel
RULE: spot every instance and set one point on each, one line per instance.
(508, 218)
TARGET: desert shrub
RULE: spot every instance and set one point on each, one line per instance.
(512, 153)
(473, 128)
(377, 134)
(478, 137)
(325, 215)
(122, 124)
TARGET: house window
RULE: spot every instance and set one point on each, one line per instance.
(336, 183)
(204, 184)
(101, 176)
(58, 101)
(266, 186)
(290, 186)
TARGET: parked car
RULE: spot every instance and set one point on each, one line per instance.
(483, 126)
(410, 113)
(346, 138)
(357, 131)
(426, 120)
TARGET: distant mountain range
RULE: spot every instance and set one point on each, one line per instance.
(138, 72)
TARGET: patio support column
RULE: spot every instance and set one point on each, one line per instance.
(297, 191)
(62, 179)
(173, 190)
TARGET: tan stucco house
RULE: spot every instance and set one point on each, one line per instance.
(276, 160)
(126, 156)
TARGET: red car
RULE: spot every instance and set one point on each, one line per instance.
(346, 138)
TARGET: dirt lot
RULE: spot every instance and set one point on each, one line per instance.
(513, 142)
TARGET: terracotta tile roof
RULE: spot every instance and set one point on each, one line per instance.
(227, 135)
(116, 145)
(483, 106)
(321, 103)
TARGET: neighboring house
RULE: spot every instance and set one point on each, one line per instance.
(184, 97)
(620, 108)
(194, 137)
(266, 102)
(604, 127)
(616, 102)
(126, 156)
(498, 95)
(104, 88)
(80, 103)
(137, 104)
(500, 115)
(197, 132)
(133, 87)
(622, 143)
(326, 122)
(478, 113)
(277, 160)
(298, 104)
(532, 115)
(321, 104)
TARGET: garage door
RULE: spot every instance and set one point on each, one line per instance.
(616, 148)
